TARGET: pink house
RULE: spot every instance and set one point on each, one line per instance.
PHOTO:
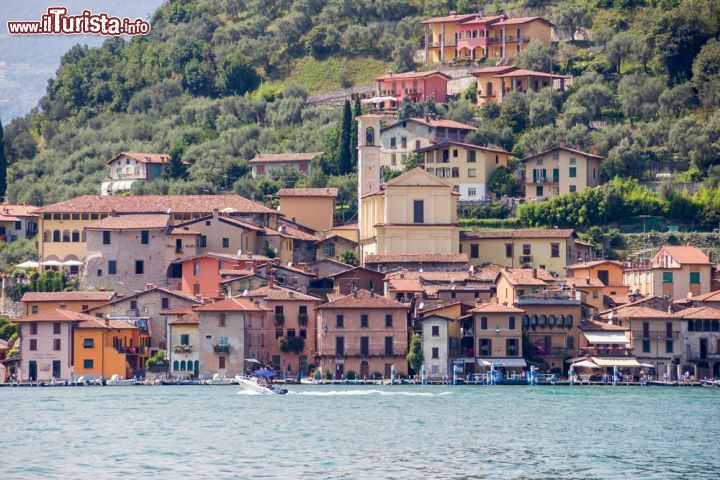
(416, 85)
(364, 333)
(201, 274)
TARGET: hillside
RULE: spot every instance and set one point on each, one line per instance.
(219, 81)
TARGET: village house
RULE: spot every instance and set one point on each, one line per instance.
(393, 88)
(403, 137)
(202, 274)
(699, 346)
(430, 262)
(274, 163)
(676, 272)
(144, 309)
(710, 299)
(126, 168)
(467, 166)
(457, 334)
(292, 277)
(498, 336)
(357, 278)
(184, 342)
(225, 232)
(475, 36)
(325, 267)
(38, 302)
(363, 333)
(334, 246)
(104, 347)
(291, 335)
(547, 249)
(231, 330)
(493, 83)
(436, 346)
(560, 170)
(17, 222)
(311, 207)
(465, 286)
(46, 344)
(607, 345)
(63, 224)
(126, 252)
(608, 273)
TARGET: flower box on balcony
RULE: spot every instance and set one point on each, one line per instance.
(220, 348)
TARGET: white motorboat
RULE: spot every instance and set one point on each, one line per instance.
(309, 381)
(218, 380)
(258, 385)
(118, 381)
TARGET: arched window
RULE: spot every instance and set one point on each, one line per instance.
(561, 320)
(551, 320)
(197, 367)
(75, 235)
(370, 136)
(534, 321)
(56, 236)
(66, 235)
(569, 321)
(542, 320)
(47, 236)
(525, 320)
(182, 365)
(707, 326)
(176, 365)
(715, 326)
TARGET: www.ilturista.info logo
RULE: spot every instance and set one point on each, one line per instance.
(58, 22)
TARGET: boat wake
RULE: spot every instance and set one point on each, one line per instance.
(352, 393)
(248, 392)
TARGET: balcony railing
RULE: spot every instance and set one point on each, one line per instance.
(221, 348)
(398, 349)
(183, 348)
(131, 350)
(607, 352)
(655, 335)
(553, 351)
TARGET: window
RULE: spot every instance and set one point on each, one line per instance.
(57, 344)
(572, 188)
(472, 173)
(340, 321)
(573, 160)
(278, 332)
(393, 142)
(165, 303)
(34, 310)
(555, 250)
(539, 191)
(329, 249)
(694, 277)
(472, 192)
(75, 236)
(485, 347)
(527, 249)
(133, 304)
(388, 321)
(33, 344)
(87, 363)
(497, 159)
(455, 172)
(196, 268)
(668, 346)
(569, 342)
(88, 343)
(139, 267)
(364, 345)
(112, 267)
(222, 320)
(511, 323)
(106, 237)
(403, 142)
(99, 272)
(226, 242)
(339, 345)
(573, 172)
(185, 339)
(667, 277)
(474, 250)
(508, 250)
(56, 328)
(472, 154)
(435, 352)
(363, 321)
(418, 211)
(646, 346)
(435, 330)
(393, 159)
(221, 362)
(202, 241)
(483, 323)
(144, 237)
(455, 152)
(388, 345)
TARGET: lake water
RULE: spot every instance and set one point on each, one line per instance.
(192, 432)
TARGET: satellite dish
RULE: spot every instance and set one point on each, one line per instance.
(245, 292)
(421, 306)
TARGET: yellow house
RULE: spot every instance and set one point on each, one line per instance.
(547, 249)
(560, 170)
(608, 273)
(38, 302)
(467, 166)
(498, 336)
(310, 207)
(512, 284)
(475, 36)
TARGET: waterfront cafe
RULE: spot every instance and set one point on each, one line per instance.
(605, 345)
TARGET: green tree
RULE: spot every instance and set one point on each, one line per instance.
(571, 16)
(7, 328)
(175, 168)
(415, 356)
(236, 75)
(536, 56)
(354, 132)
(502, 181)
(706, 73)
(3, 166)
(349, 257)
(345, 154)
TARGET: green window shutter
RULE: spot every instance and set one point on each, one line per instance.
(668, 277)
(694, 277)
(573, 172)
(185, 339)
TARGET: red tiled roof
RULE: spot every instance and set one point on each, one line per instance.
(432, 276)
(410, 75)
(713, 296)
(451, 18)
(529, 73)
(405, 284)
(233, 304)
(630, 311)
(155, 204)
(495, 308)
(594, 263)
(432, 122)
(281, 293)
(347, 226)
(526, 276)
(18, 211)
(177, 311)
(418, 258)
(594, 325)
(240, 223)
(94, 322)
(438, 146)
(581, 283)
(131, 222)
(144, 157)
(285, 157)
(483, 20)
(560, 147)
(235, 271)
(296, 233)
(521, 20)
(307, 192)
(484, 70)
(67, 296)
(175, 293)
(699, 312)
(687, 255)
(56, 315)
(518, 234)
(363, 299)
(190, 318)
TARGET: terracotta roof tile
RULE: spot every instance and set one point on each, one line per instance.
(699, 312)
(441, 145)
(687, 254)
(18, 210)
(594, 263)
(177, 311)
(155, 204)
(418, 258)
(405, 284)
(131, 222)
(529, 73)
(630, 311)
(521, 20)
(296, 233)
(713, 296)
(94, 322)
(281, 293)
(285, 157)
(410, 75)
(144, 157)
(594, 325)
(347, 226)
(567, 149)
(235, 271)
(190, 318)
(495, 308)
(452, 18)
(363, 299)
(308, 192)
(67, 296)
(518, 234)
(580, 283)
(232, 304)
(485, 70)
(56, 315)
(527, 276)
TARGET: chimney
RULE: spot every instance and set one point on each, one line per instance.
(149, 286)
(271, 280)
(291, 294)
(216, 213)
(453, 13)
(534, 271)
(354, 293)
(113, 213)
(107, 322)
(670, 308)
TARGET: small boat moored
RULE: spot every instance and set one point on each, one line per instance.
(118, 381)
(261, 382)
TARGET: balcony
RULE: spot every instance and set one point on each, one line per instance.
(399, 349)
(142, 351)
(655, 335)
(183, 349)
(472, 43)
(607, 352)
(548, 298)
(221, 348)
(280, 318)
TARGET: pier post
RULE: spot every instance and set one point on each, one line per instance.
(423, 375)
(572, 375)
(392, 374)
(455, 370)
(615, 376)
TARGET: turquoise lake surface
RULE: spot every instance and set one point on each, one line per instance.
(198, 432)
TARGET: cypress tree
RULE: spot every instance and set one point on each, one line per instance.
(3, 166)
(345, 155)
(356, 113)
(175, 168)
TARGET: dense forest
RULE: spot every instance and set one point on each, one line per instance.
(218, 81)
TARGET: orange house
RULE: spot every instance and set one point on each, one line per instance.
(104, 348)
(201, 273)
(38, 302)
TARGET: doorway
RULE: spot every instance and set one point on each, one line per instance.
(364, 369)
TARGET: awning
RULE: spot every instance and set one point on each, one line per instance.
(609, 338)
(378, 100)
(615, 361)
(502, 362)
